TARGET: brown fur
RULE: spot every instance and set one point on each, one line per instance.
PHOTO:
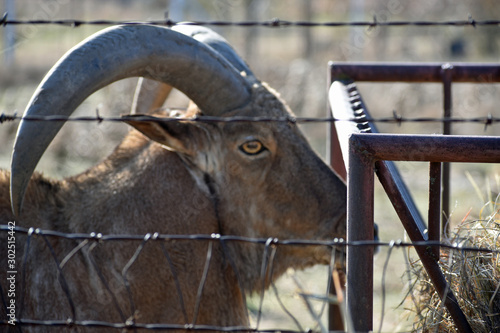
(205, 185)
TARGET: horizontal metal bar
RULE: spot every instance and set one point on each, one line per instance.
(431, 148)
(414, 72)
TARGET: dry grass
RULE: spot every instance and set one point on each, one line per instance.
(474, 277)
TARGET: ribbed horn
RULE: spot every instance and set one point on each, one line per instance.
(116, 53)
(150, 95)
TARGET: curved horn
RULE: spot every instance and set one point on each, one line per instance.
(115, 53)
(217, 42)
(150, 95)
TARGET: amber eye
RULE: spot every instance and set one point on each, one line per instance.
(253, 147)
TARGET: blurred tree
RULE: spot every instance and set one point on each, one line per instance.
(9, 33)
(307, 13)
(251, 8)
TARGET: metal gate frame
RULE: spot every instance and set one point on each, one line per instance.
(370, 152)
(445, 73)
(366, 152)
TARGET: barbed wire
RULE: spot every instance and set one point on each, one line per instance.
(132, 326)
(270, 244)
(272, 23)
(336, 242)
(394, 119)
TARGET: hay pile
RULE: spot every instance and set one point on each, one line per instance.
(473, 276)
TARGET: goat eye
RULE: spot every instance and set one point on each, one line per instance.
(253, 147)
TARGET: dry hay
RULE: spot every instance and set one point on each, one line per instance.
(474, 278)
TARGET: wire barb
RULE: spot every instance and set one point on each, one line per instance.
(5, 118)
(3, 20)
(488, 121)
(472, 21)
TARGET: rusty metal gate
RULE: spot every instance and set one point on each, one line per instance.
(365, 152)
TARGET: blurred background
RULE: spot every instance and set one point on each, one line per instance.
(293, 60)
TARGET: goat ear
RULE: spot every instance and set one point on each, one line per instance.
(174, 135)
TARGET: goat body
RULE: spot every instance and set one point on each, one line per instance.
(188, 177)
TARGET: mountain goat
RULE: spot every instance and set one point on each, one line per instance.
(184, 177)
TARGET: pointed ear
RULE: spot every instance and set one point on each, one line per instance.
(177, 136)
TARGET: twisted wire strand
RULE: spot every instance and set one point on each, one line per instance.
(336, 242)
(394, 119)
(272, 23)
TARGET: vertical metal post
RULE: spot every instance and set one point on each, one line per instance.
(446, 72)
(359, 291)
(434, 220)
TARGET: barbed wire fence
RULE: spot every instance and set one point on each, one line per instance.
(270, 245)
(49, 240)
(396, 117)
